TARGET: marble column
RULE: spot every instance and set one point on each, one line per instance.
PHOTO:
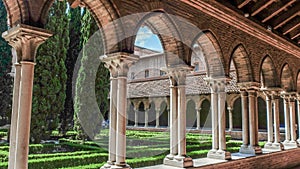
(252, 117)
(230, 118)
(146, 117)
(269, 119)
(122, 61)
(25, 40)
(293, 119)
(198, 118)
(136, 117)
(276, 102)
(112, 114)
(157, 114)
(173, 121)
(298, 114)
(245, 120)
(222, 118)
(287, 120)
(178, 79)
(14, 116)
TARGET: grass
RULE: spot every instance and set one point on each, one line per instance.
(143, 149)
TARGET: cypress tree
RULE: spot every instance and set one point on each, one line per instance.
(50, 80)
(91, 83)
(66, 118)
(6, 81)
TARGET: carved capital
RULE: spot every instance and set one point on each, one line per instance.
(25, 40)
(178, 74)
(217, 84)
(119, 63)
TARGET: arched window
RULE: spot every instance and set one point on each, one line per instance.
(146, 73)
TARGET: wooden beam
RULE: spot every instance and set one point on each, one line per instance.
(286, 20)
(295, 36)
(291, 29)
(278, 11)
(244, 3)
(262, 7)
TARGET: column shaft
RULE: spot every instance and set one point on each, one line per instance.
(276, 120)
(113, 120)
(14, 117)
(252, 120)
(136, 117)
(287, 120)
(245, 116)
(222, 119)
(214, 116)
(269, 119)
(146, 117)
(174, 121)
(230, 119)
(181, 121)
(198, 118)
(292, 120)
(298, 113)
(121, 121)
(157, 113)
(25, 105)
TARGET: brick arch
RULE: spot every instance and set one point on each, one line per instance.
(213, 54)
(268, 73)
(286, 77)
(242, 64)
(163, 26)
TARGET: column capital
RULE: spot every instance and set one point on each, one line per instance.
(178, 74)
(217, 84)
(229, 108)
(248, 86)
(25, 40)
(288, 96)
(119, 63)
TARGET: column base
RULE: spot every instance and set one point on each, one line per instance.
(250, 150)
(289, 145)
(107, 165)
(219, 154)
(178, 161)
(120, 166)
(272, 147)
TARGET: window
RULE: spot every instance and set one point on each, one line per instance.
(162, 73)
(146, 73)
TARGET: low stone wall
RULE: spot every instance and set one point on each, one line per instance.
(279, 160)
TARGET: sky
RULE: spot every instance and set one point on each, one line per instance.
(146, 39)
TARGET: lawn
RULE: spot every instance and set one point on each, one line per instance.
(143, 149)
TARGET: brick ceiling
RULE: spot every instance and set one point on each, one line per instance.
(279, 16)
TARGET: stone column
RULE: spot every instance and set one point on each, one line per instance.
(178, 78)
(147, 107)
(298, 113)
(214, 116)
(173, 121)
(136, 117)
(269, 119)
(230, 118)
(245, 120)
(168, 117)
(277, 144)
(198, 118)
(25, 40)
(287, 120)
(292, 119)
(222, 119)
(122, 61)
(252, 117)
(14, 117)
(112, 114)
(157, 113)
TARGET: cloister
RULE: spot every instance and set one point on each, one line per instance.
(249, 49)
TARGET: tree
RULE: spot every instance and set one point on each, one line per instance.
(6, 80)
(66, 118)
(49, 91)
(92, 83)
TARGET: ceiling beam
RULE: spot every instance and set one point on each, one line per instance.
(262, 7)
(244, 3)
(295, 36)
(291, 28)
(278, 11)
(285, 20)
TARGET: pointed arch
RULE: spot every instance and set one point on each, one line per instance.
(213, 55)
(163, 26)
(268, 73)
(242, 64)
(287, 80)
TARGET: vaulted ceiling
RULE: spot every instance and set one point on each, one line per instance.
(279, 16)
